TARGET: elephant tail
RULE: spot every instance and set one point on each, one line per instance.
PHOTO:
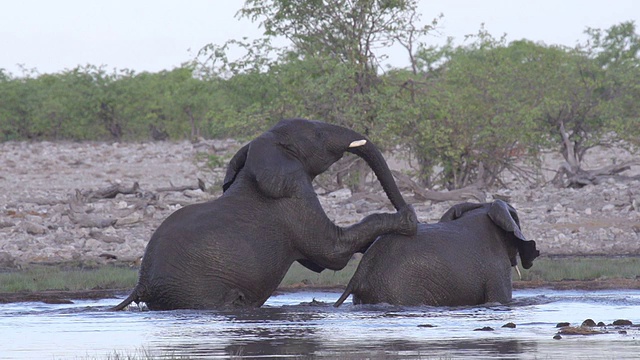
(126, 302)
(345, 294)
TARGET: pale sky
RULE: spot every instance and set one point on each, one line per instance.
(154, 35)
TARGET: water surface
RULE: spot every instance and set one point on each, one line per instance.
(304, 324)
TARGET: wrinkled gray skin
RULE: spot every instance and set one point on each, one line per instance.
(465, 259)
(235, 250)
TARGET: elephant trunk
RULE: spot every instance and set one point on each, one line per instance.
(370, 153)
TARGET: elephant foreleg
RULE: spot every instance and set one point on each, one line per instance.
(335, 253)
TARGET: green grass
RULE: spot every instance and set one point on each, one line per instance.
(298, 275)
(545, 269)
(582, 268)
(40, 278)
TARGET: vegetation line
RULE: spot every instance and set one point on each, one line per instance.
(465, 112)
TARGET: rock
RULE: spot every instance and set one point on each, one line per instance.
(33, 228)
(92, 244)
(194, 194)
(7, 261)
(6, 224)
(486, 328)
(589, 323)
(89, 221)
(136, 217)
(562, 324)
(63, 238)
(509, 325)
(608, 207)
(341, 194)
(149, 210)
(106, 238)
(622, 322)
(578, 330)
(587, 211)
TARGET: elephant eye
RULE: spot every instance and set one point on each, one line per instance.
(321, 136)
(288, 148)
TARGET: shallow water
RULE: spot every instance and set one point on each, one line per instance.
(294, 325)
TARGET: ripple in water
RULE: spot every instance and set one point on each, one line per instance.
(305, 324)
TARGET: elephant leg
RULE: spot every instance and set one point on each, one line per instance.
(235, 298)
(335, 253)
(498, 291)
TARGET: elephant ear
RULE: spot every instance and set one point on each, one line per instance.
(235, 165)
(506, 217)
(277, 173)
(458, 210)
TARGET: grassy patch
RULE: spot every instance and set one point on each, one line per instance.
(544, 269)
(582, 268)
(41, 278)
(298, 275)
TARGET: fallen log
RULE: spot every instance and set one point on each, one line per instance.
(577, 178)
(200, 185)
(91, 221)
(111, 192)
(420, 194)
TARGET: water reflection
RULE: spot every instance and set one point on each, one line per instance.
(284, 327)
(324, 331)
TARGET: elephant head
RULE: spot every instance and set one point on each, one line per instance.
(284, 160)
(506, 218)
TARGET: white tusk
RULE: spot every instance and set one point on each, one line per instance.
(357, 143)
(518, 271)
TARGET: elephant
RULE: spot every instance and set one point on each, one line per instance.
(464, 259)
(234, 251)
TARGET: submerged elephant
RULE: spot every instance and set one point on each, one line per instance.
(465, 259)
(235, 250)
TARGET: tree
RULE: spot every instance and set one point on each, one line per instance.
(332, 70)
(16, 106)
(349, 38)
(590, 100)
(470, 111)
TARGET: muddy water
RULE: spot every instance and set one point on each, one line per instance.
(304, 324)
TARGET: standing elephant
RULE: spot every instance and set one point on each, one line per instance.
(465, 259)
(235, 250)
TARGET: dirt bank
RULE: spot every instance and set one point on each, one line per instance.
(51, 209)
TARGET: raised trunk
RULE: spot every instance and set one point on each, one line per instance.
(370, 153)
